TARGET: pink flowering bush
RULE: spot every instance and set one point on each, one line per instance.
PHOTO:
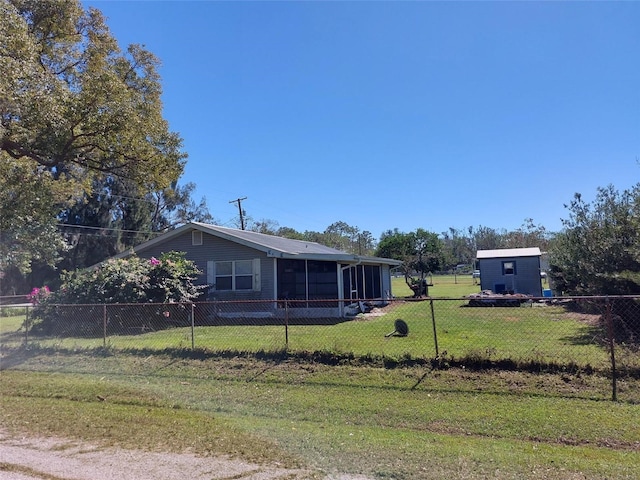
(168, 279)
(38, 294)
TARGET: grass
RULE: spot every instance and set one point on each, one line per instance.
(409, 423)
(401, 423)
(521, 334)
(536, 337)
(11, 324)
(444, 286)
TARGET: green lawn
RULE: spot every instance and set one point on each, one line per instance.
(543, 334)
(444, 286)
(401, 424)
(409, 424)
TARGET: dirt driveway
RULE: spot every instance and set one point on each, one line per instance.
(57, 459)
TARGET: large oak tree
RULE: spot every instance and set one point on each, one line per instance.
(73, 106)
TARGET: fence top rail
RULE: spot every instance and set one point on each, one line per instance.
(333, 301)
(533, 299)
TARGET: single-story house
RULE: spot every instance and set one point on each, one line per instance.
(510, 270)
(251, 266)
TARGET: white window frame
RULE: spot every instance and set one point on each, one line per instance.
(196, 237)
(509, 267)
(212, 274)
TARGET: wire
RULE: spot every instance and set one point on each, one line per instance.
(133, 198)
(107, 229)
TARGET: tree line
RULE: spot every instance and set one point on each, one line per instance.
(90, 168)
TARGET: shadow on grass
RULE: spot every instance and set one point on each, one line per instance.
(479, 382)
(472, 362)
(16, 336)
(588, 335)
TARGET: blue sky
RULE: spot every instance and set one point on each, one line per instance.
(396, 114)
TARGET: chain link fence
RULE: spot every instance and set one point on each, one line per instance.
(575, 335)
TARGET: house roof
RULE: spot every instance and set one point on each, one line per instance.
(508, 253)
(272, 245)
(269, 242)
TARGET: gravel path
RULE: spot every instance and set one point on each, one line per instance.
(57, 459)
(53, 460)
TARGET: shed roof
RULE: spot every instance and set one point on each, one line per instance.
(509, 253)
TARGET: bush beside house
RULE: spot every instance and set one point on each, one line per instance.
(132, 280)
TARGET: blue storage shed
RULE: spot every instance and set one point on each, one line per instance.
(510, 270)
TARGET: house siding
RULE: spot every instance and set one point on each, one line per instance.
(526, 280)
(387, 292)
(218, 244)
(218, 249)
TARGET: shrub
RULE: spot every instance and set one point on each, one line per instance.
(168, 279)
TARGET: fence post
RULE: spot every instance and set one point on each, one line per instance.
(193, 327)
(26, 325)
(612, 343)
(286, 325)
(104, 325)
(435, 333)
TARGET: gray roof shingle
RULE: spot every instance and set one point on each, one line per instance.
(271, 242)
(272, 245)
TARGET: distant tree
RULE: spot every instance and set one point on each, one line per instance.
(287, 232)
(395, 244)
(96, 236)
(313, 236)
(266, 226)
(174, 206)
(347, 238)
(116, 216)
(338, 235)
(420, 252)
(486, 238)
(528, 235)
(366, 243)
(457, 248)
(341, 236)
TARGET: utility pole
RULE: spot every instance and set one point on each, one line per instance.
(239, 202)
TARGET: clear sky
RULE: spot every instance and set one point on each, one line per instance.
(396, 114)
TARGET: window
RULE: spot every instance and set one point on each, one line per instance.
(244, 275)
(234, 275)
(509, 268)
(196, 237)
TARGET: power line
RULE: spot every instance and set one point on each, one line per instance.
(140, 199)
(107, 229)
